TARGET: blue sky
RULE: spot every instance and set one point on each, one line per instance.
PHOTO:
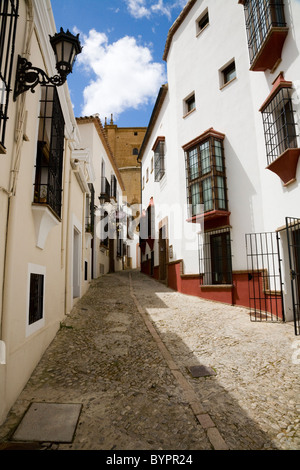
(120, 69)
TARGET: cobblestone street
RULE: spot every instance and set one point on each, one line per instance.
(124, 354)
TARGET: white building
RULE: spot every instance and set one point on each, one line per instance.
(108, 240)
(50, 174)
(220, 158)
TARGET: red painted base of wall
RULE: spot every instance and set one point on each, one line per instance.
(235, 294)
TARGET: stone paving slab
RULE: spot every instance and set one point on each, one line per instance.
(48, 422)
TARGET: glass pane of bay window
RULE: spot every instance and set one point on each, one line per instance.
(195, 193)
(218, 156)
(205, 158)
(193, 164)
(207, 194)
(221, 193)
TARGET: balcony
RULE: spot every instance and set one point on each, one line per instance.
(282, 147)
(266, 31)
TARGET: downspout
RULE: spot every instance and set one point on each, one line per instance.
(19, 132)
(67, 266)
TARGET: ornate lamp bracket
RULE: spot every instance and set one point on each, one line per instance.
(28, 77)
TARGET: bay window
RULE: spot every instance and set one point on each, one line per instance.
(205, 171)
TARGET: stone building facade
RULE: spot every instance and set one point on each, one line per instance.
(125, 143)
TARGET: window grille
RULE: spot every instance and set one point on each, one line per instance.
(105, 189)
(36, 297)
(50, 151)
(8, 25)
(159, 161)
(261, 16)
(215, 263)
(104, 235)
(90, 210)
(279, 125)
(206, 178)
(113, 187)
(120, 245)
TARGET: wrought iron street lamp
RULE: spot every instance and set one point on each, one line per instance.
(66, 47)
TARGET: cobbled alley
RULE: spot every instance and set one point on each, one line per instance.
(127, 352)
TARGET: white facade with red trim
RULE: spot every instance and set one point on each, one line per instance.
(199, 50)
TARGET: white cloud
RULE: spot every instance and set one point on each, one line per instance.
(162, 9)
(145, 8)
(124, 75)
(137, 8)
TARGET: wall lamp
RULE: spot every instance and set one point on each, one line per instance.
(66, 47)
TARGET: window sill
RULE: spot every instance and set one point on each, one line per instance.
(270, 51)
(201, 30)
(285, 166)
(212, 287)
(189, 113)
(212, 219)
(228, 83)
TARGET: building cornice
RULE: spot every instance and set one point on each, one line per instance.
(178, 22)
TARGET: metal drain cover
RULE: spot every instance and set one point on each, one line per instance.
(48, 422)
(201, 371)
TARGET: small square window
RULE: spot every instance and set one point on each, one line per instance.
(227, 73)
(189, 104)
(202, 22)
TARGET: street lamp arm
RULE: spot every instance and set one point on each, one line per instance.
(28, 77)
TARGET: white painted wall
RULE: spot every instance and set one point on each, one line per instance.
(258, 201)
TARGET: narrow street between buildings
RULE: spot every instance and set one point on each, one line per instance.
(153, 369)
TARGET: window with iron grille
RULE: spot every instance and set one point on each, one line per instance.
(279, 124)
(36, 297)
(261, 16)
(105, 189)
(120, 243)
(113, 187)
(159, 160)
(104, 229)
(215, 264)
(90, 210)
(50, 151)
(206, 178)
(8, 25)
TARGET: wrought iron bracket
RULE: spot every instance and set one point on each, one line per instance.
(28, 77)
